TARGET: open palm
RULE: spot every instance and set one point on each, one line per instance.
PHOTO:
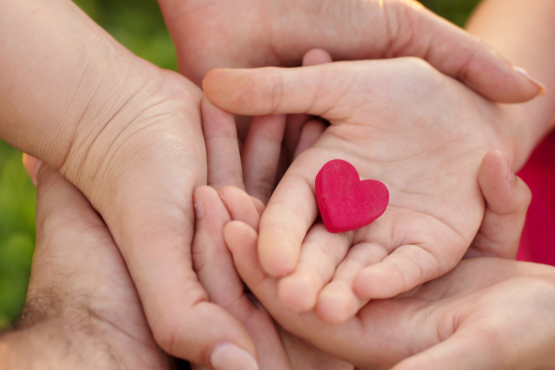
(400, 122)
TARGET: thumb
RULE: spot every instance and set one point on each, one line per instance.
(456, 53)
(313, 90)
(507, 199)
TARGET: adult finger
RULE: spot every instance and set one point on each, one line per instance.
(261, 153)
(507, 200)
(317, 90)
(222, 147)
(456, 53)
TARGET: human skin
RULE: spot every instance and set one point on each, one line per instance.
(399, 121)
(276, 349)
(250, 33)
(82, 310)
(128, 135)
(524, 33)
(507, 199)
(488, 313)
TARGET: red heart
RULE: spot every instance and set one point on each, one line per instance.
(345, 202)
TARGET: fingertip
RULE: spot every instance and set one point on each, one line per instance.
(375, 283)
(336, 304)
(315, 57)
(278, 256)
(542, 89)
(298, 292)
(235, 90)
(238, 235)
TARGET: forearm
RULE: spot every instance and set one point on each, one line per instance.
(54, 345)
(60, 75)
(523, 32)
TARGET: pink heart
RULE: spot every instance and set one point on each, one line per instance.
(345, 202)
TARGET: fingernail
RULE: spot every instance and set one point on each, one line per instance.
(508, 170)
(32, 165)
(198, 204)
(534, 80)
(230, 357)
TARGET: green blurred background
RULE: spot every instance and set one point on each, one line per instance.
(139, 26)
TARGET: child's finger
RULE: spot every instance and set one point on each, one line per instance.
(222, 148)
(337, 302)
(260, 155)
(241, 206)
(402, 270)
(507, 200)
(216, 272)
(289, 215)
(321, 252)
(311, 132)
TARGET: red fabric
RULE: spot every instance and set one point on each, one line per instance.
(538, 238)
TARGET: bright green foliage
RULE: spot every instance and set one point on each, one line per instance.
(139, 26)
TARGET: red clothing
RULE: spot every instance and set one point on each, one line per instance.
(538, 238)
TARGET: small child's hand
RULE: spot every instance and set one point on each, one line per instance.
(399, 121)
(464, 320)
(276, 349)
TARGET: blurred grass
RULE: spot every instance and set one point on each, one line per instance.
(139, 26)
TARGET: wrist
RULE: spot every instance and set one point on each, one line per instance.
(525, 129)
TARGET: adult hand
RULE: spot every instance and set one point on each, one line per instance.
(400, 122)
(82, 310)
(487, 313)
(251, 33)
(128, 135)
(277, 349)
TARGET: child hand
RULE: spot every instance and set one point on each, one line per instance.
(464, 320)
(400, 122)
(276, 349)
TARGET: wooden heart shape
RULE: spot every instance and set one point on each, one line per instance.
(345, 202)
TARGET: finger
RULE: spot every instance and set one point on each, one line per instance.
(456, 53)
(284, 224)
(261, 153)
(324, 90)
(337, 302)
(469, 350)
(311, 132)
(314, 57)
(222, 148)
(507, 200)
(321, 253)
(241, 206)
(32, 166)
(405, 268)
(296, 122)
